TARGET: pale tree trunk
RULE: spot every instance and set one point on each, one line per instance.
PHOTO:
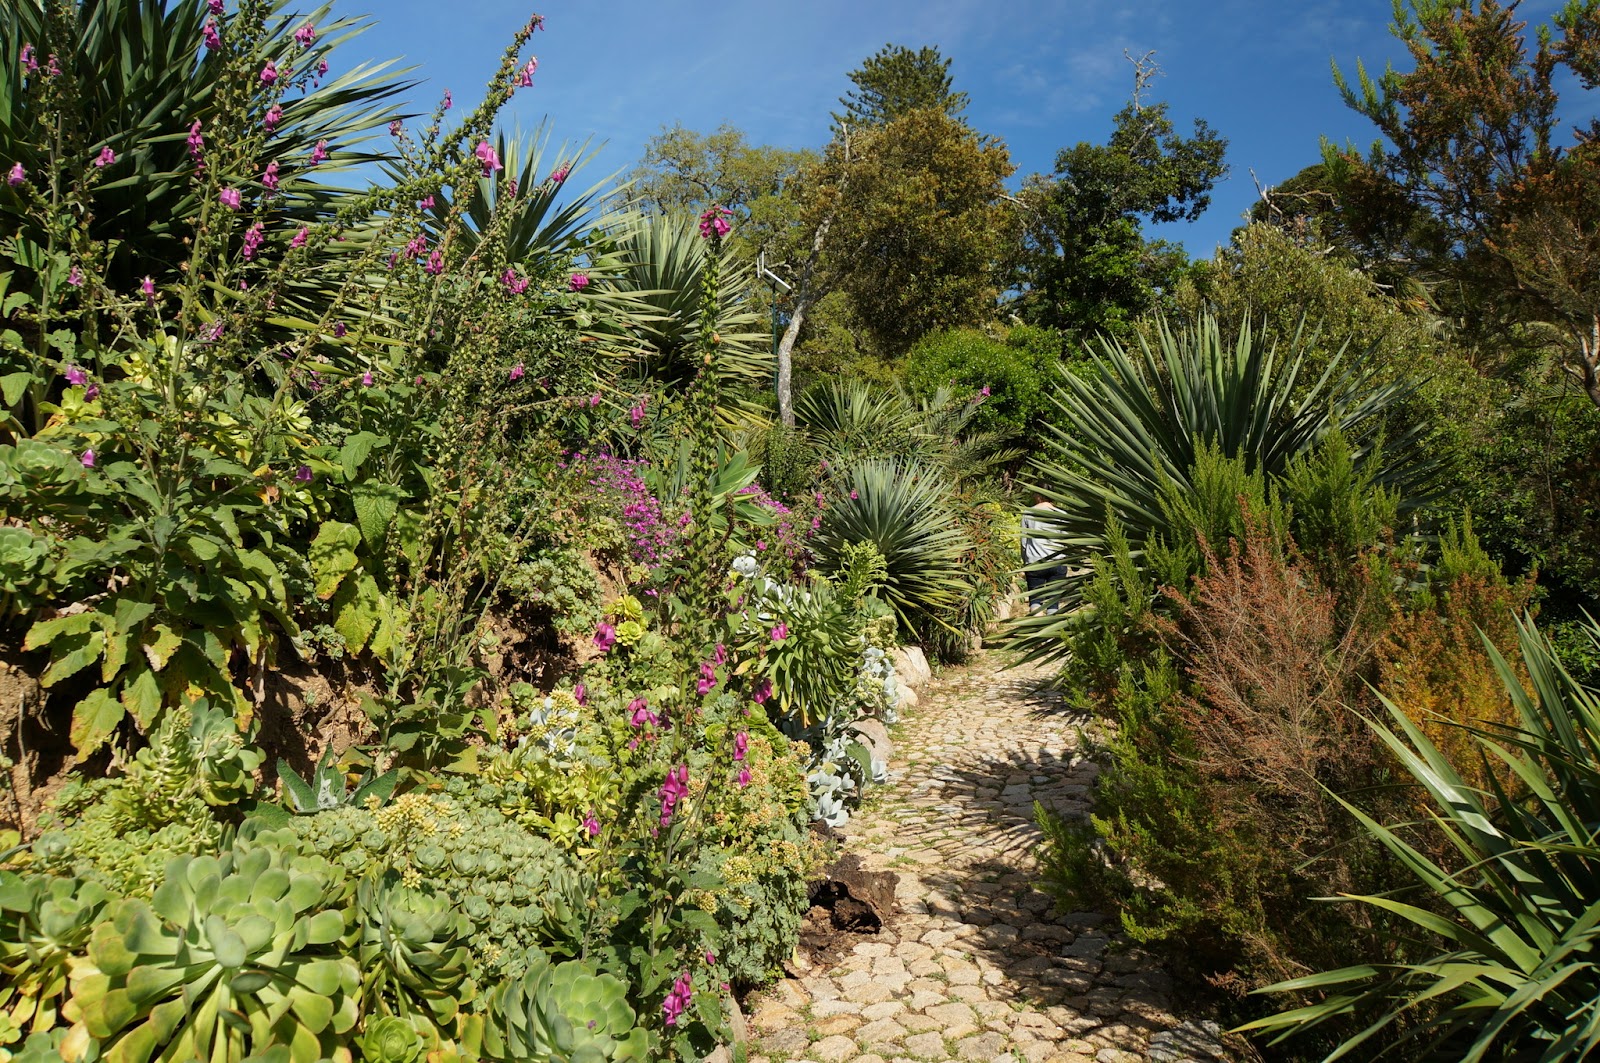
(805, 295)
(1587, 371)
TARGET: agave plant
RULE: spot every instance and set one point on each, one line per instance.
(233, 956)
(414, 963)
(1132, 430)
(542, 223)
(900, 508)
(139, 74)
(327, 788)
(1513, 974)
(44, 921)
(566, 1013)
(848, 421)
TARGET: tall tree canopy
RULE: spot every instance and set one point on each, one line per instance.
(1502, 215)
(896, 81)
(1085, 265)
(683, 171)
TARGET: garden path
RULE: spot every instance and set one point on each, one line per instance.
(977, 966)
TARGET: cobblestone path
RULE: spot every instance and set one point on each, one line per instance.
(977, 966)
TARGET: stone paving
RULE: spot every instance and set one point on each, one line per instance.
(977, 965)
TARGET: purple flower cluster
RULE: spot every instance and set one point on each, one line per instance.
(782, 539)
(619, 485)
(675, 789)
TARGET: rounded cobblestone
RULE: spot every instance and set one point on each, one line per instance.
(977, 966)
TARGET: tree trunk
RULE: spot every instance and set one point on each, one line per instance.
(805, 293)
(1587, 371)
(804, 296)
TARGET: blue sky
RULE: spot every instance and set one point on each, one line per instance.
(1041, 74)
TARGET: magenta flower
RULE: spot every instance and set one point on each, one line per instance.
(721, 654)
(711, 957)
(91, 392)
(425, 203)
(514, 284)
(678, 999)
(229, 197)
(339, 329)
(744, 776)
(578, 282)
(303, 474)
(75, 277)
(306, 34)
(87, 459)
(213, 36)
(560, 173)
(435, 264)
(780, 632)
(272, 118)
(105, 158)
(366, 379)
(591, 825)
(639, 713)
(447, 100)
(270, 176)
(636, 415)
(605, 636)
(197, 144)
(708, 678)
(525, 75)
(269, 73)
(51, 67)
(675, 789)
(215, 6)
(148, 287)
(741, 745)
(76, 376)
(17, 175)
(594, 400)
(580, 694)
(320, 152)
(762, 692)
(25, 57)
(322, 68)
(300, 237)
(854, 496)
(489, 157)
(517, 371)
(253, 238)
(714, 221)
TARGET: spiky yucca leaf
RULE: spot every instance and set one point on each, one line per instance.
(646, 303)
(1131, 431)
(1515, 974)
(140, 75)
(901, 509)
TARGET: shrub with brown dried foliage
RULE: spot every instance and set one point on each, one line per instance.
(1432, 660)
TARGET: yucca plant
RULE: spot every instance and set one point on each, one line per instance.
(1512, 973)
(646, 304)
(136, 74)
(1132, 429)
(901, 508)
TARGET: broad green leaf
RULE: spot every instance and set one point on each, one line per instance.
(13, 386)
(93, 721)
(141, 697)
(81, 652)
(376, 505)
(45, 632)
(357, 608)
(333, 556)
(357, 449)
(160, 643)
